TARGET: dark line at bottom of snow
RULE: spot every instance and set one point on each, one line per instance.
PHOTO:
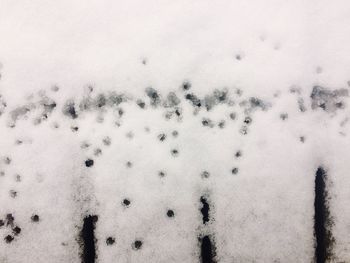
(207, 250)
(323, 220)
(87, 239)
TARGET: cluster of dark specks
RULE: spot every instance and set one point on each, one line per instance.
(9, 223)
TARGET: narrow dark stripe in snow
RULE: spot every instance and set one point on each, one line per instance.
(207, 250)
(88, 239)
(322, 230)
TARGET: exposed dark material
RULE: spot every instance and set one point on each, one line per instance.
(89, 163)
(88, 239)
(16, 230)
(9, 238)
(205, 209)
(69, 110)
(194, 99)
(110, 241)
(35, 218)
(137, 245)
(235, 170)
(324, 239)
(170, 213)
(207, 250)
(10, 219)
(126, 202)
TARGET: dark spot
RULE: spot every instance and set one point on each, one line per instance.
(205, 174)
(89, 162)
(16, 230)
(195, 101)
(205, 209)
(97, 151)
(207, 122)
(238, 154)
(141, 103)
(162, 137)
(234, 170)
(186, 85)
(174, 152)
(10, 219)
(233, 115)
(302, 139)
(7, 160)
(221, 124)
(247, 120)
(207, 250)
(153, 95)
(110, 241)
(13, 193)
(175, 133)
(2, 222)
(9, 238)
(35, 218)
(126, 202)
(107, 141)
(101, 100)
(129, 164)
(170, 213)
(137, 245)
(87, 236)
(284, 116)
(323, 220)
(69, 109)
(17, 178)
(238, 57)
(161, 173)
(74, 128)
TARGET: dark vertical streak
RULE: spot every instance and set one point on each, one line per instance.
(205, 209)
(88, 239)
(207, 250)
(322, 223)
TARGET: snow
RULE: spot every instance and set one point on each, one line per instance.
(268, 79)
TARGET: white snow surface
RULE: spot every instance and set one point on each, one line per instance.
(73, 51)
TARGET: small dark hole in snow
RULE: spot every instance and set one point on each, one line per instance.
(16, 230)
(110, 241)
(89, 162)
(170, 213)
(205, 209)
(162, 137)
(126, 202)
(234, 170)
(205, 174)
(174, 152)
(35, 218)
(137, 245)
(9, 238)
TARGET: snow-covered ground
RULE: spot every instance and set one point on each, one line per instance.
(166, 124)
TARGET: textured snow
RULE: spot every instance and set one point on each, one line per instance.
(131, 109)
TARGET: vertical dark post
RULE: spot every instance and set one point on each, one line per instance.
(207, 247)
(322, 218)
(206, 250)
(88, 239)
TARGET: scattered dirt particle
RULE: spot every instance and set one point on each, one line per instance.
(89, 163)
(35, 218)
(170, 213)
(137, 245)
(234, 170)
(205, 174)
(126, 202)
(110, 241)
(162, 137)
(8, 239)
